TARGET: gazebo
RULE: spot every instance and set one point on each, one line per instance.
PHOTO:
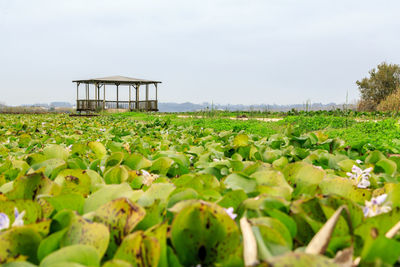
(98, 101)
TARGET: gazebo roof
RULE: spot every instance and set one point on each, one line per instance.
(117, 80)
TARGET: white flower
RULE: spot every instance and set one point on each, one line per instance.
(229, 211)
(102, 129)
(5, 221)
(216, 160)
(148, 178)
(18, 218)
(360, 177)
(358, 161)
(376, 206)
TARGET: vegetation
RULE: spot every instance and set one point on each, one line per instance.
(144, 190)
(391, 102)
(383, 82)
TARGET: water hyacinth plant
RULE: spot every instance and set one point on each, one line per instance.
(5, 220)
(360, 177)
(118, 191)
(376, 206)
(230, 211)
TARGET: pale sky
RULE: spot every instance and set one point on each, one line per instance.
(225, 51)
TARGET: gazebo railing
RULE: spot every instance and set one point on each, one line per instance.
(96, 105)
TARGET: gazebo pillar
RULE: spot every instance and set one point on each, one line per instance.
(137, 96)
(95, 95)
(147, 97)
(104, 96)
(156, 107)
(87, 96)
(117, 97)
(77, 95)
(130, 93)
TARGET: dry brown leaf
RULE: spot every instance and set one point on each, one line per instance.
(393, 231)
(344, 257)
(249, 243)
(320, 241)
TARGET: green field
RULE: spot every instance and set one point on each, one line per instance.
(138, 189)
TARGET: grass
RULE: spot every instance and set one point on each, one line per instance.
(383, 134)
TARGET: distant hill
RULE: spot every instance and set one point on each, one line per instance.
(61, 104)
(190, 107)
(187, 107)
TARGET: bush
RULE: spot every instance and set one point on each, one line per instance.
(390, 103)
(366, 105)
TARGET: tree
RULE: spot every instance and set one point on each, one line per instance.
(382, 82)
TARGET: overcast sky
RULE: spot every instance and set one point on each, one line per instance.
(225, 51)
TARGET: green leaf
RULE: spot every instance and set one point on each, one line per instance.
(273, 182)
(232, 199)
(276, 236)
(55, 152)
(74, 181)
(50, 244)
(29, 186)
(51, 167)
(301, 260)
(120, 216)
(19, 241)
(81, 254)
(303, 177)
(139, 249)
(33, 211)
(116, 175)
(114, 159)
(116, 263)
(18, 264)
(237, 181)
(161, 165)
(136, 161)
(240, 140)
(345, 188)
(346, 165)
(106, 194)
(374, 156)
(382, 248)
(83, 232)
(388, 166)
(98, 149)
(203, 233)
(156, 191)
(71, 201)
(181, 194)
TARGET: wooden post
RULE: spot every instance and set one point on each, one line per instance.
(129, 97)
(104, 96)
(98, 96)
(156, 85)
(87, 97)
(137, 96)
(117, 96)
(77, 96)
(147, 97)
(95, 95)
